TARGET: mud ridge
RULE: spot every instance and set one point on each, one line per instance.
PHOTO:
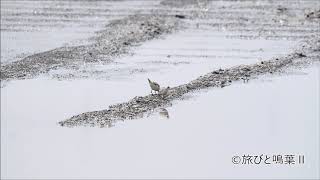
(117, 39)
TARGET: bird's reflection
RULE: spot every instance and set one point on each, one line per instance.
(110, 123)
(164, 113)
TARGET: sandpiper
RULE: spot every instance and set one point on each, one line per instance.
(164, 92)
(154, 86)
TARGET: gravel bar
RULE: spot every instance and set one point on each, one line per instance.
(115, 40)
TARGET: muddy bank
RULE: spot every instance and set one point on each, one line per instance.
(138, 106)
(115, 40)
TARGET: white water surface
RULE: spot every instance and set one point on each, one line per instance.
(271, 115)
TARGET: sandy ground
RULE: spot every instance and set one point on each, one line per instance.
(49, 55)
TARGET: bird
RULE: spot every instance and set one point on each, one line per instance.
(154, 86)
(164, 92)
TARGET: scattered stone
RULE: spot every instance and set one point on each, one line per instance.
(281, 9)
(313, 15)
(301, 55)
(180, 16)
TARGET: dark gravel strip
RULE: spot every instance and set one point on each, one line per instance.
(115, 40)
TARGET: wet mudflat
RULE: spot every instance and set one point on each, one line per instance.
(80, 68)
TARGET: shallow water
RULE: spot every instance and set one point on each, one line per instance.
(179, 58)
(271, 115)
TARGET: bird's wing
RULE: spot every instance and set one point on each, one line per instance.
(156, 84)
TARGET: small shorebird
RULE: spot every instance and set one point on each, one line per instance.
(154, 86)
(164, 92)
